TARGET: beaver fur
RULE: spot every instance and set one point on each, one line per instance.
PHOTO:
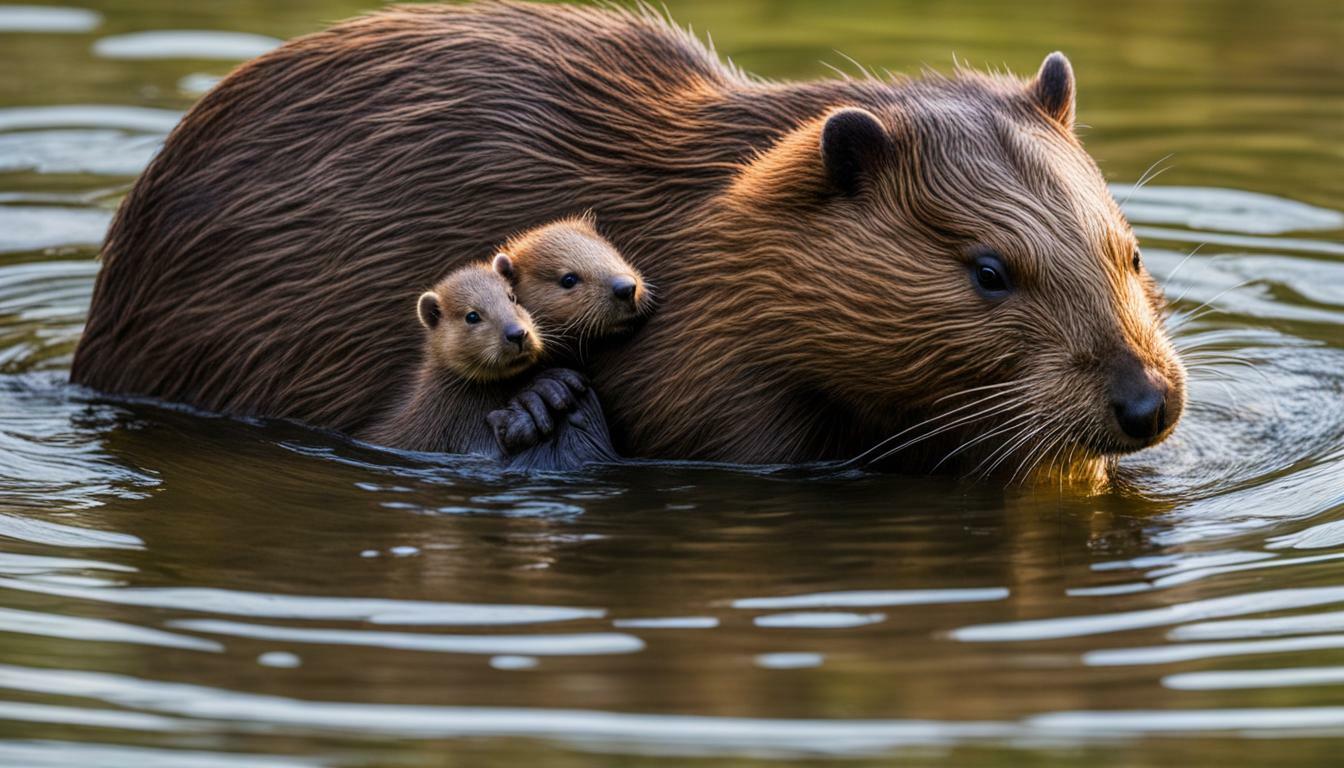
(476, 341)
(813, 242)
(575, 284)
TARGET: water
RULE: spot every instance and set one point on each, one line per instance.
(183, 590)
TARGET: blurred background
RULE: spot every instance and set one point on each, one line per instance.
(178, 589)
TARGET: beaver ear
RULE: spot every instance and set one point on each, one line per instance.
(1053, 88)
(504, 266)
(852, 143)
(427, 308)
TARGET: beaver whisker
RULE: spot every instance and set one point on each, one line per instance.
(1144, 178)
(981, 438)
(1194, 317)
(1166, 280)
(1005, 451)
(1202, 362)
(1217, 345)
(1211, 358)
(1066, 438)
(1173, 302)
(1018, 429)
(888, 440)
(1210, 372)
(1035, 456)
(1190, 316)
(1000, 385)
(964, 420)
(960, 421)
(1216, 368)
(1068, 462)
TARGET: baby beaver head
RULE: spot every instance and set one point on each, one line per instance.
(477, 330)
(573, 280)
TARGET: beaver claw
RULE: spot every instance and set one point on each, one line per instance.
(530, 416)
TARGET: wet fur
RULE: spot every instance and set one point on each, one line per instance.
(260, 265)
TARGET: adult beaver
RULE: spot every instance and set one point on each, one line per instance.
(839, 261)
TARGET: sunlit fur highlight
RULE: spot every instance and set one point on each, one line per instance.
(260, 264)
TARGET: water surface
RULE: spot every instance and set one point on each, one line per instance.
(184, 590)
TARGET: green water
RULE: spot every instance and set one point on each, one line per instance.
(180, 590)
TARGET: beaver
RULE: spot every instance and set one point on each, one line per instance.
(478, 342)
(931, 265)
(575, 283)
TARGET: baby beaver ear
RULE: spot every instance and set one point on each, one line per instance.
(1054, 89)
(504, 265)
(427, 308)
(853, 142)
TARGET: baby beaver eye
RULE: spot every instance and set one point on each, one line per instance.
(1138, 261)
(990, 275)
(473, 317)
(569, 281)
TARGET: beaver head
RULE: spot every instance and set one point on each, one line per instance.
(476, 329)
(573, 280)
(974, 275)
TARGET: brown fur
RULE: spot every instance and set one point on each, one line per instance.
(801, 318)
(536, 262)
(467, 370)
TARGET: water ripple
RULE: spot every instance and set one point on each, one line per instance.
(184, 44)
(40, 18)
(99, 630)
(1223, 210)
(819, 620)
(63, 754)
(1240, 679)
(276, 606)
(1079, 626)
(873, 598)
(103, 116)
(580, 644)
(31, 228)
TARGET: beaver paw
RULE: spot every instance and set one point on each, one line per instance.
(530, 416)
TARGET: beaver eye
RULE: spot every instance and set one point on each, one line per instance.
(990, 275)
(473, 317)
(569, 281)
(513, 299)
(1138, 261)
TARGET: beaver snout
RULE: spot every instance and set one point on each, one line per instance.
(1141, 401)
(623, 288)
(515, 333)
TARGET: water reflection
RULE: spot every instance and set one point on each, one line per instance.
(184, 44)
(43, 19)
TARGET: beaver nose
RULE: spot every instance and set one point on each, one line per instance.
(624, 288)
(515, 334)
(1139, 400)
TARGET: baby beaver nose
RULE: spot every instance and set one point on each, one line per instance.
(624, 288)
(1139, 400)
(515, 334)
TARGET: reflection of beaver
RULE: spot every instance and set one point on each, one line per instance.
(841, 260)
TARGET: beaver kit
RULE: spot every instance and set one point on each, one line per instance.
(934, 266)
(480, 339)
